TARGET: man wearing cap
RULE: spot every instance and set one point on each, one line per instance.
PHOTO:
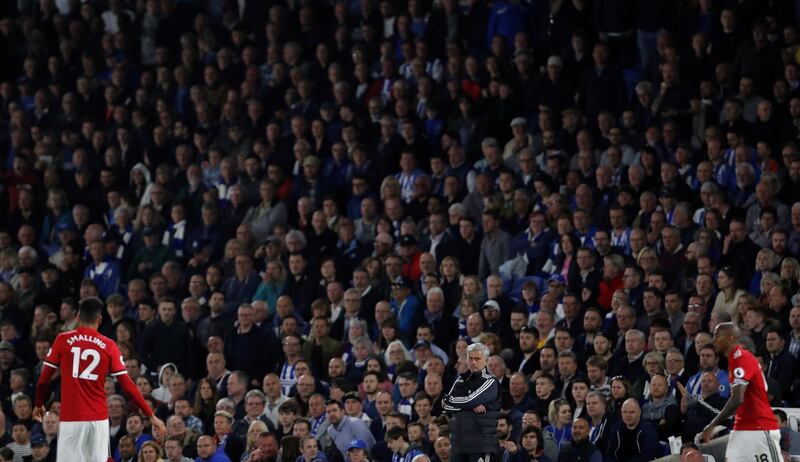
(151, 257)
(521, 140)
(357, 451)
(405, 306)
(408, 250)
(422, 353)
(555, 91)
(354, 407)
(491, 314)
(39, 448)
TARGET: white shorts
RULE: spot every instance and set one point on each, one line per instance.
(85, 441)
(754, 446)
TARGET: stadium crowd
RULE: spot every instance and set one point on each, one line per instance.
(300, 213)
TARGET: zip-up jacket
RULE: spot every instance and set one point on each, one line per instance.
(633, 445)
(470, 432)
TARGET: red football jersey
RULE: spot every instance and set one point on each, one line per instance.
(755, 412)
(85, 358)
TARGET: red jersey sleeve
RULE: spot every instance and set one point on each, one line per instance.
(117, 362)
(743, 368)
(53, 358)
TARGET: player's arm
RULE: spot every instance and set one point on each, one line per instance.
(130, 389)
(42, 388)
(736, 400)
(120, 373)
(51, 362)
(487, 393)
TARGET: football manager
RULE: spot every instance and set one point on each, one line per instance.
(474, 402)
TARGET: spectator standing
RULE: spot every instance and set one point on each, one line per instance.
(249, 348)
(474, 400)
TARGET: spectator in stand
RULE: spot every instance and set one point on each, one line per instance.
(633, 438)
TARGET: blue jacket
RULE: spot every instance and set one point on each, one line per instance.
(218, 456)
(407, 314)
(537, 249)
(106, 275)
(693, 384)
(238, 292)
(506, 19)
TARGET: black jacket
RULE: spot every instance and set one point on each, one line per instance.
(163, 344)
(579, 452)
(783, 368)
(633, 445)
(470, 432)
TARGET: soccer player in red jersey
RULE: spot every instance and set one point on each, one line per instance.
(84, 357)
(756, 435)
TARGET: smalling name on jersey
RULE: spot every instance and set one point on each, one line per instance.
(86, 338)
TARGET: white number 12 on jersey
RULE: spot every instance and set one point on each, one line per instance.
(78, 356)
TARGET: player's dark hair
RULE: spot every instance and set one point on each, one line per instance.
(89, 309)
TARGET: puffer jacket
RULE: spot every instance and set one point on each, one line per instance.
(470, 432)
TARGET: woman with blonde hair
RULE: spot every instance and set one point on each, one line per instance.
(472, 286)
(559, 413)
(766, 260)
(396, 354)
(647, 260)
(390, 188)
(256, 428)
(790, 273)
(150, 452)
(148, 216)
(492, 341)
(654, 363)
(744, 304)
(768, 281)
